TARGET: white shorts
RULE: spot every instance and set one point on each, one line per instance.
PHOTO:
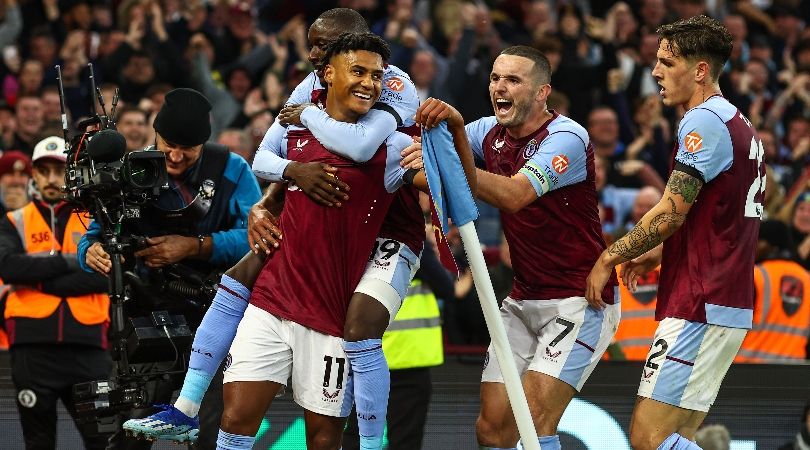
(388, 274)
(267, 348)
(687, 362)
(562, 338)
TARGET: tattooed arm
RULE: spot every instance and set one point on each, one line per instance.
(656, 226)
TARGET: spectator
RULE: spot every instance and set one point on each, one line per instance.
(713, 437)
(15, 172)
(802, 439)
(132, 124)
(647, 197)
(239, 143)
(30, 121)
(58, 314)
(800, 228)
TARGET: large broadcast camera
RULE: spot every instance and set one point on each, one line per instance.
(113, 186)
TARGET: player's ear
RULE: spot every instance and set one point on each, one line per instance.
(328, 74)
(543, 93)
(702, 71)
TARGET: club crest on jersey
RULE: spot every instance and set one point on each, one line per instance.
(395, 84)
(299, 145)
(530, 149)
(498, 144)
(693, 142)
(560, 163)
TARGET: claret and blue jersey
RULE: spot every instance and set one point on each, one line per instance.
(707, 266)
(555, 240)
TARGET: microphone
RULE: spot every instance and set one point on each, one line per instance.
(107, 146)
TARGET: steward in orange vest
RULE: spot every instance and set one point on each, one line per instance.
(782, 305)
(51, 300)
(56, 315)
(638, 325)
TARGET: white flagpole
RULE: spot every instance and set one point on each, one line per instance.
(511, 378)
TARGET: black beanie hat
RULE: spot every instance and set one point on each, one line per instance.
(183, 119)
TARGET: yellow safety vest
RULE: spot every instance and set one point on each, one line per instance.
(38, 239)
(414, 338)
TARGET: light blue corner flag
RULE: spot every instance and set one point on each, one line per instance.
(448, 186)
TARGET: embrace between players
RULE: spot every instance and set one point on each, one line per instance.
(313, 306)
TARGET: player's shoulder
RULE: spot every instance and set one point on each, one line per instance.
(566, 127)
(713, 112)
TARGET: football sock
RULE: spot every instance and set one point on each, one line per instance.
(372, 382)
(211, 342)
(228, 441)
(549, 442)
(677, 442)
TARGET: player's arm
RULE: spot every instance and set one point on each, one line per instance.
(560, 160)
(355, 141)
(432, 112)
(317, 180)
(263, 232)
(661, 221)
(704, 151)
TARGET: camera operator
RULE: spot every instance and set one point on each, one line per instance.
(200, 223)
(56, 314)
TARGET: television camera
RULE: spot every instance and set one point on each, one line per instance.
(114, 187)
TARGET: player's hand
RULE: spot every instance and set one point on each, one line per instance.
(433, 111)
(596, 283)
(291, 114)
(263, 232)
(412, 155)
(97, 259)
(165, 250)
(636, 267)
(319, 181)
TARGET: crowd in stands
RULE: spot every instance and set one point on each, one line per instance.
(246, 56)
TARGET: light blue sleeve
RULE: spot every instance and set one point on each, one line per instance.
(704, 143)
(476, 131)
(269, 162)
(303, 92)
(355, 141)
(398, 97)
(395, 143)
(230, 245)
(89, 237)
(559, 160)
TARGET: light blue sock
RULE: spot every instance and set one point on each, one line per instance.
(372, 382)
(228, 441)
(677, 442)
(546, 443)
(549, 442)
(211, 342)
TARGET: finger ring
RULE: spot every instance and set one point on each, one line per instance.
(263, 240)
(256, 245)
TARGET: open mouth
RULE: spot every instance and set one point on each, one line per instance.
(502, 106)
(362, 96)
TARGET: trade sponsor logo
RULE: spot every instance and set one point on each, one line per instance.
(693, 142)
(560, 163)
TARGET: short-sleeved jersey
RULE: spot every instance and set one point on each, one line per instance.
(311, 277)
(405, 222)
(708, 263)
(554, 241)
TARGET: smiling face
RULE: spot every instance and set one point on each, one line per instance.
(355, 82)
(513, 91)
(675, 75)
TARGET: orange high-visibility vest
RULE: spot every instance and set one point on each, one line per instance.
(781, 314)
(38, 239)
(637, 327)
(3, 336)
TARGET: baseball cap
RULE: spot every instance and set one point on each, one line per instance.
(52, 147)
(14, 161)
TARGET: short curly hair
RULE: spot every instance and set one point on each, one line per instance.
(348, 42)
